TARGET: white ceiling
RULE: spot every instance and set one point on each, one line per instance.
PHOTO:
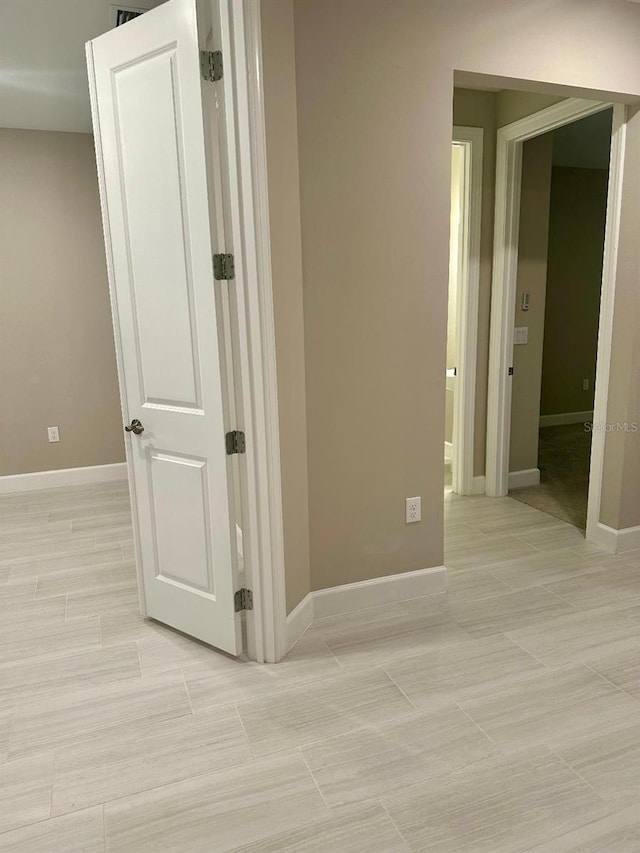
(43, 77)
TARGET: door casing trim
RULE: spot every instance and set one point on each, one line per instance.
(263, 536)
(468, 287)
(510, 140)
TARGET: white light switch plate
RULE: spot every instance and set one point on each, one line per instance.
(521, 335)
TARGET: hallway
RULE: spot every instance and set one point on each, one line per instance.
(501, 717)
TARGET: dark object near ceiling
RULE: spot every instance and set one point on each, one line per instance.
(123, 17)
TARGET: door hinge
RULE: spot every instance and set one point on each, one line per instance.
(243, 600)
(224, 268)
(235, 442)
(511, 371)
(211, 65)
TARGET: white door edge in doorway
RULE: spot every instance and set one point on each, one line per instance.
(510, 140)
(471, 140)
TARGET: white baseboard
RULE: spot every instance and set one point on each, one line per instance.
(299, 620)
(522, 479)
(517, 480)
(360, 596)
(564, 418)
(479, 485)
(370, 593)
(615, 541)
(63, 477)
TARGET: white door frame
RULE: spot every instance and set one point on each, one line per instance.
(605, 329)
(263, 538)
(470, 139)
(261, 497)
(510, 140)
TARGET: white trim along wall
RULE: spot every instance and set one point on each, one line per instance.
(565, 418)
(524, 478)
(359, 596)
(616, 541)
(63, 477)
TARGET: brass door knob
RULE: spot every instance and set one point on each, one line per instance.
(135, 426)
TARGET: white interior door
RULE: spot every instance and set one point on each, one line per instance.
(147, 103)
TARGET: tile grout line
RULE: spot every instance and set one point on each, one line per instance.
(478, 726)
(53, 768)
(331, 653)
(612, 683)
(576, 773)
(386, 672)
(315, 781)
(23, 826)
(184, 680)
(566, 601)
(526, 651)
(395, 825)
(246, 733)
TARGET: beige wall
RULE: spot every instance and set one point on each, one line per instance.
(576, 242)
(374, 138)
(57, 357)
(537, 157)
(286, 257)
(513, 105)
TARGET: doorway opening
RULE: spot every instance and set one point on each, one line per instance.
(511, 140)
(563, 207)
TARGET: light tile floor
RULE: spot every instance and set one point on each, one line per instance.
(502, 716)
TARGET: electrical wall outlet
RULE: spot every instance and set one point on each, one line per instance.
(53, 433)
(585, 384)
(413, 510)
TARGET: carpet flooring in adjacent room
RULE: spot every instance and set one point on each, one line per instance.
(563, 459)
